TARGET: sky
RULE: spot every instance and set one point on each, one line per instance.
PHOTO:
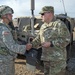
(23, 7)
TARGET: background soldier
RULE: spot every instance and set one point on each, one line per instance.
(53, 37)
(8, 47)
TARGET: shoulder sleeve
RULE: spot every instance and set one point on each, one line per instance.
(10, 43)
(63, 36)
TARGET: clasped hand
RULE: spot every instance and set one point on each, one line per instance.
(28, 46)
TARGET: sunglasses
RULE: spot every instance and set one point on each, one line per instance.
(42, 13)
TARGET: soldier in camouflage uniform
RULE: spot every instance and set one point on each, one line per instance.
(53, 38)
(8, 47)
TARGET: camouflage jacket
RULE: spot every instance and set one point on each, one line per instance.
(7, 41)
(57, 33)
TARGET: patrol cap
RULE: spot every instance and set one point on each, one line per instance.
(5, 10)
(47, 9)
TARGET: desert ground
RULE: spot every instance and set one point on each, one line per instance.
(20, 67)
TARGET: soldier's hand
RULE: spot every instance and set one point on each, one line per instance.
(46, 44)
(28, 46)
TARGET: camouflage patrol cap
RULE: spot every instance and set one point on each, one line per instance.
(5, 10)
(47, 9)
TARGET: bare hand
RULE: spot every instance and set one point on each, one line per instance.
(28, 46)
(46, 44)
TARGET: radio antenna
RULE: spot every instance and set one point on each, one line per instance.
(64, 7)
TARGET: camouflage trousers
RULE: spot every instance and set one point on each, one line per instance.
(7, 67)
(54, 68)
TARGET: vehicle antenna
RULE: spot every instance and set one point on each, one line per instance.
(32, 18)
(64, 7)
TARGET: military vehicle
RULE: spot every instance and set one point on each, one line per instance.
(23, 25)
(28, 27)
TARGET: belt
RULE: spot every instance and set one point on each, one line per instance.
(4, 51)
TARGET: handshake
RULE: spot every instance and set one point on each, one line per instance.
(44, 44)
(28, 46)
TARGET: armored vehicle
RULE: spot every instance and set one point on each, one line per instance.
(23, 26)
(28, 27)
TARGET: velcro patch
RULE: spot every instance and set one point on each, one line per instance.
(5, 33)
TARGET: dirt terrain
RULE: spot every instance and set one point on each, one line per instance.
(20, 67)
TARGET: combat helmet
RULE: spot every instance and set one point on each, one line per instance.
(5, 10)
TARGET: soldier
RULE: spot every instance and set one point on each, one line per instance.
(53, 38)
(8, 47)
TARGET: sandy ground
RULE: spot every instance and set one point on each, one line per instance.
(20, 68)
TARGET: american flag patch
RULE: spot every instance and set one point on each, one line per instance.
(5, 33)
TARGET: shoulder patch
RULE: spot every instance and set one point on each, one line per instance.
(5, 33)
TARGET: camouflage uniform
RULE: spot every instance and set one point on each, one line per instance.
(54, 57)
(8, 49)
